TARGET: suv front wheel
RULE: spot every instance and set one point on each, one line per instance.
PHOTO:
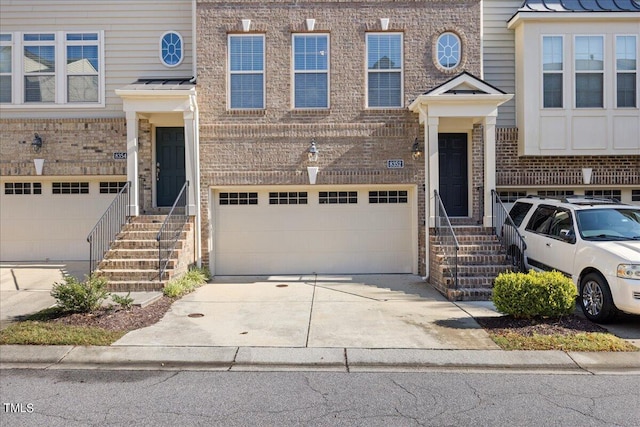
(595, 298)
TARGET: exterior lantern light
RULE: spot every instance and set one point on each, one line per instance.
(416, 152)
(36, 144)
(313, 152)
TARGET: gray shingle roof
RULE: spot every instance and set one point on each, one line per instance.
(580, 6)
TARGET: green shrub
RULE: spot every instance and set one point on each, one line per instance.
(80, 297)
(526, 295)
(123, 301)
(186, 283)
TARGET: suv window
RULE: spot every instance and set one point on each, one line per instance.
(561, 225)
(518, 211)
(541, 219)
(609, 224)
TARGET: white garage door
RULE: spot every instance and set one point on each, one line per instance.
(43, 220)
(313, 229)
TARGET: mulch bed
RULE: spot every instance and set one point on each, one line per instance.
(118, 319)
(566, 325)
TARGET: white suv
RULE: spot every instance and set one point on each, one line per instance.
(596, 242)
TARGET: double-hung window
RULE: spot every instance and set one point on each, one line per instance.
(589, 69)
(6, 69)
(626, 71)
(552, 71)
(246, 71)
(51, 68)
(384, 70)
(311, 71)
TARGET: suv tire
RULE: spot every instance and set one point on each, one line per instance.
(595, 299)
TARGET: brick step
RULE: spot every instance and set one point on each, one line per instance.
(137, 244)
(461, 230)
(135, 286)
(133, 253)
(477, 270)
(149, 226)
(148, 218)
(144, 235)
(476, 259)
(133, 264)
(122, 275)
(488, 249)
(471, 282)
(471, 294)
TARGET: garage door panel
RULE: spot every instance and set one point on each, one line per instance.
(37, 227)
(321, 238)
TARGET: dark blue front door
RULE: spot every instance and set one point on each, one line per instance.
(452, 148)
(170, 171)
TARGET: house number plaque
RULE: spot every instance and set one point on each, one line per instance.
(395, 164)
(120, 155)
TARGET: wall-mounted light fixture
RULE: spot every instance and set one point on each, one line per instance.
(36, 144)
(313, 151)
(416, 152)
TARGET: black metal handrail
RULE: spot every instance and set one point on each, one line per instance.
(447, 238)
(108, 227)
(172, 229)
(507, 232)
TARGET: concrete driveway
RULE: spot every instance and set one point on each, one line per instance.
(25, 286)
(368, 311)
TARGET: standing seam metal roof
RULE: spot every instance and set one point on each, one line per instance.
(580, 6)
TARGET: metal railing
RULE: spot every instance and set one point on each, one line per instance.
(447, 238)
(507, 232)
(108, 227)
(172, 228)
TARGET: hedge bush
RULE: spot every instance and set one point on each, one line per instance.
(526, 295)
(80, 297)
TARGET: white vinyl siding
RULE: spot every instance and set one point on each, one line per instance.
(498, 53)
(131, 31)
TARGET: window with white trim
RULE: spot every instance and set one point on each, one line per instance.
(310, 71)
(6, 69)
(171, 50)
(246, 71)
(111, 187)
(552, 71)
(54, 68)
(605, 193)
(626, 71)
(589, 71)
(384, 70)
(337, 197)
(449, 50)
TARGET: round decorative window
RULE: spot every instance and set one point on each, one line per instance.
(171, 50)
(449, 50)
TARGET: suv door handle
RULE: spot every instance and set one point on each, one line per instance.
(549, 244)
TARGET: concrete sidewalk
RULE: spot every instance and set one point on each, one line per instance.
(340, 323)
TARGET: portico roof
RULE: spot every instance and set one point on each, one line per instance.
(465, 95)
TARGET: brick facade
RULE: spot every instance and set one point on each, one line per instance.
(527, 171)
(71, 146)
(269, 147)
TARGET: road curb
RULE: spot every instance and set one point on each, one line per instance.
(304, 358)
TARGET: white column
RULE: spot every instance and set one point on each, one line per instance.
(434, 165)
(190, 158)
(430, 168)
(489, 124)
(132, 163)
(192, 172)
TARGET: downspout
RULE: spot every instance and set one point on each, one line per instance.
(196, 134)
(194, 50)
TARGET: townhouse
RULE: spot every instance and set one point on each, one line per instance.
(314, 136)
